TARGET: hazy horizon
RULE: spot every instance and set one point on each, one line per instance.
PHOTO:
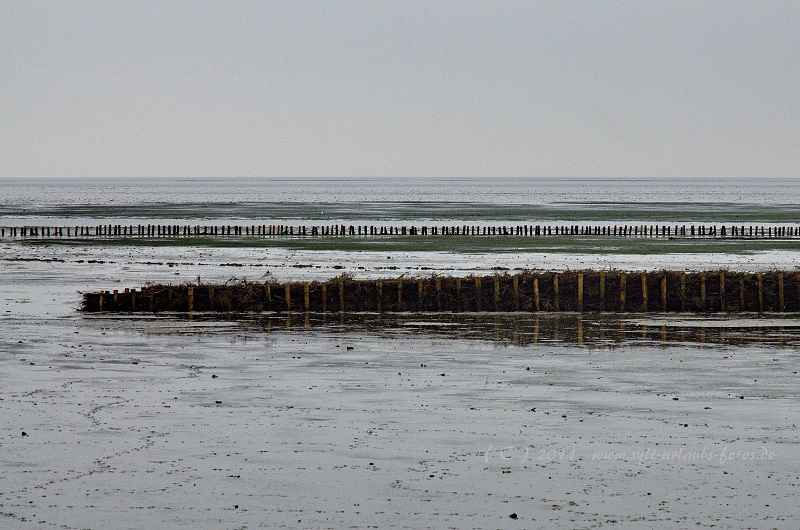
(445, 90)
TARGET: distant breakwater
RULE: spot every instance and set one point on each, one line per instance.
(571, 291)
(666, 231)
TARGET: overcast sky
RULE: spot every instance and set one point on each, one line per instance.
(423, 89)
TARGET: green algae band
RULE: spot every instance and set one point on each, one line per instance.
(571, 291)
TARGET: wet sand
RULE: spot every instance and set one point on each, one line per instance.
(413, 423)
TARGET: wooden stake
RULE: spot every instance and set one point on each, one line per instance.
(288, 291)
(781, 305)
(379, 291)
(664, 293)
(478, 294)
(324, 287)
(703, 290)
(722, 305)
(190, 293)
(399, 294)
(555, 290)
(683, 292)
(515, 283)
(420, 306)
(623, 286)
(580, 292)
(458, 294)
(742, 304)
(602, 291)
(536, 304)
(644, 292)
(307, 296)
(496, 293)
(341, 296)
(797, 280)
(760, 279)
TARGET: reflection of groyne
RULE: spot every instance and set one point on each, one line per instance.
(524, 329)
(519, 230)
(582, 291)
(595, 330)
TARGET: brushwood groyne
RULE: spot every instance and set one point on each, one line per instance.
(342, 230)
(578, 291)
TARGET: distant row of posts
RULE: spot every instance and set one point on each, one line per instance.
(526, 230)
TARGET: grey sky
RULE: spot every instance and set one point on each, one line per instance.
(427, 89)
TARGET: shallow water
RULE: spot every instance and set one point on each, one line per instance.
(677, 200)
(405, 421)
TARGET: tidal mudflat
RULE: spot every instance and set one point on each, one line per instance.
(414, 421)
(404, 421)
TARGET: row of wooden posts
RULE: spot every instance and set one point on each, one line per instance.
(664, 291)
(177, 230)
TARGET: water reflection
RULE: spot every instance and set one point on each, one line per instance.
(592, 330)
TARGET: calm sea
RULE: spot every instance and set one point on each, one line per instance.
(678, 200)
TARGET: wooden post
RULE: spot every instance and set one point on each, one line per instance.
(781, 305)
(742, 305)
(623, 286)
(100, 303)
(555, 290)
(399, 294)
(288, 292)
(760, 279)
(496, 293)
(324, 287)
(420, 305)
(438, 283)
(133, 300)
(722, 305)
(644, 292)
(341, 296)
(190, 294)
(515, 283)
(580, 292)
(267, 292)
(664, 293)
(602, 291)
(683, 291)
(307, 296)
(458, 294)
(379, 291)
(797, 280)
(478, 294)
(703, 290)
(536, 302)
